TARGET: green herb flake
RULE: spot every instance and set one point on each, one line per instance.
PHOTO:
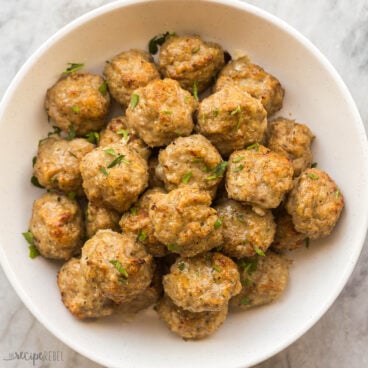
(307, 242)
(249, 266)
(103, 88)
(33, 252)
(194, 51)
(246, 282)
(142, 236)
(240, 218)
(217, 224)
(93, 137)
(167, 112)
(205, 169)
(337, 194)
(72, 154)
(215, 113)
(73, 67)
(216, 268)
(173, 247)
(236, 111)
(158, 41)
(71, 134)
(34, 160)
(181, 266)
(186, 99)
(36, 183)
(29, 237)
(104, 171)
(123, 272)
(185, 179)
(314, 164)
(72, 195)
(218, 171)
(259, 251)
(117, 161)
(133, 211)
(239, 168)
(254, 146)
(197, 160)
(245, 301)
(237, 159)
(124, 133)
(134, 99)
(313, 176)
(110, 151)
(76, 109)
(195, 90)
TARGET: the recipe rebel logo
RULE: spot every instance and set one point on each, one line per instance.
(35, 357)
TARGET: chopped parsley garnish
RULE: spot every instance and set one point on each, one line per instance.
(142, 236)
(133, 211)
(117, 161)
(215, 113)
(337, 194)
(72, 195)
(259, 251)
(217, 224)
(36, 183)
(205, 169)
(313, 176)
(254, 146)
(123, 272)
(167, 112)
(195, 90)
(307, 242)
(240, 218)
(216, 268)
(76, 109)
(33, 252)
(29, 237)
(314, 164)
(246, 282)
(236, 111)
(34, 160)
(72, 154)
(181, 266)
(245, 301)
(93, 137)
(73, 67)
(71, 134)
(196, 160)
(124, 133)
(110, 151)
(239, 168)
(249, 266)
(218, 171)
(103, 88)
(185, 179)
(104, 171)
(134, 99)
(158, 41)
(173, 247)
(237, 159)
(194, 51)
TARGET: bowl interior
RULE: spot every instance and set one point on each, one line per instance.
(314, 96)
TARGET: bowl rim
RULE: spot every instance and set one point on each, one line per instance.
(242, 6)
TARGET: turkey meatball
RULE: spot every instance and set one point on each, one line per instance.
(160, 112)
(245, 232)
(116, 132)
(315, 204)
(293, 140)
(258, 177)
(264, 280)
(100, 218)
(76, 104)
(231, 119)
(253, 79)
(84, 300)
(202, 283)
(187, 324)
(184, 221)
(114, 176)
(57, 226)
(191, 61)
(187, 161)
(57, 163)
(116, 264)
(137, 223)
(128, 71)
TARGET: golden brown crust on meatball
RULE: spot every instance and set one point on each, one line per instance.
(57, 163)
(137, 223)
(253, 79)
(184, 221)
(57, 226)
(128, 71)
(205, 282)
(116, 132)
(186, 161)
(264, 280)
(116, 264)
(258, 176)
(293, 140)
(76, 103)
(231, 119)
(163, 111)
(118, 186)
(245, 232)
(315, 204)
(100, 218)
(189, 60)
(83, 299)
(187, 324)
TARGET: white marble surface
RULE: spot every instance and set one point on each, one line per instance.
(339, 28)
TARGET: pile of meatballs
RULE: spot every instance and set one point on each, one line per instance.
(188, 199)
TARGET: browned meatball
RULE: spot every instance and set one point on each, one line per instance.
(116, 132)
(137, 223)
(100, 218)
(190, 60)
(116, 264)
(128, 71)
(57, 226)
(202, 283)
(187, 324)
(315, 204)
(76, 104)
(57, 163)
(114, 176)
(258, 176)
(286, 237)
(253, 79)
(187, 161)
(293, 140)
(184, 221)
(84, 300)
(245, 232)
(160, 112)
(264, 280)
(231, 119)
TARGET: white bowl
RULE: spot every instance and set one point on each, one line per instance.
(315, 95)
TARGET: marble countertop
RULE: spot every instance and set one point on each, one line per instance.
(339, 28)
